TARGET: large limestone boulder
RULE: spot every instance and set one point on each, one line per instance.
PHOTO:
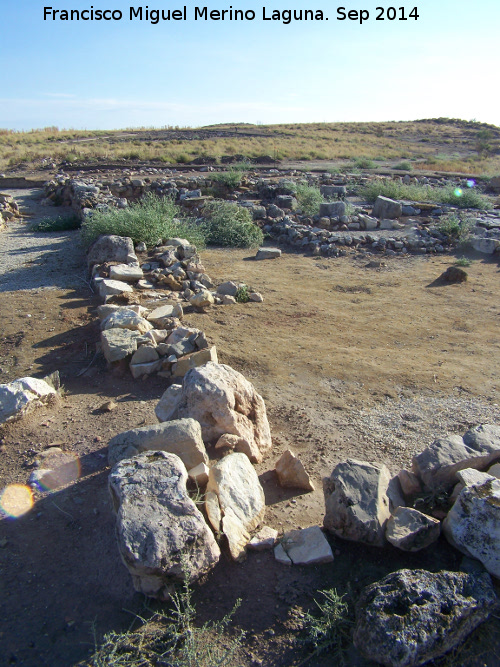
(437, 466)
(411, 530)
(356, 502)
(385, 208)
(223, 401)
(412, 616)
(111, 248)
(473, 523)
(162, 536)
(234, 501)
(181, 437)
(19, 396)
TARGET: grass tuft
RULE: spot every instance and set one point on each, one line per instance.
(62, 223)
(151, 219)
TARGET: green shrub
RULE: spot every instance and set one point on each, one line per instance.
(227, 224)
(403, 166)
(455, 227)
(309, 198)
(148, 220)
(331, 629)
(172, 639)
(463, 261)
(463, 198)
(60, 224)
(242, 295)
(363, 163)
(230, 179)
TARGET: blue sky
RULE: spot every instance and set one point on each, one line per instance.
(115, 74)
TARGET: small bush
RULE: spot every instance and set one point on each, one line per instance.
(309, 198)
(242, 295)
(228, 224)
(230, 179)
(455, 227)
(171, 639)
(364, 163)
(403, 166)
(463, 261)
(148, 220)
(331, 629)
(466, 198)
(62, 223)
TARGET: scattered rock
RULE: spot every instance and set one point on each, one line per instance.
(453, 274)
(235, 501)
(256, 297)
(223, 401)
(264, 539)
(17, 397)
(201, 300)
(412, 616)
(267, 253)
(181, 437)
(291, 472)
(162, 536)
(356, 501)
(410, 530)
(118, 343)
(307, 546)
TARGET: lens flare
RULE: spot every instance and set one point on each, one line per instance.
(16, 500)
(471, 183)
(64, 469)
(458, 192)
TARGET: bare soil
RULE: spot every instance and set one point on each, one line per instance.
(352, 361)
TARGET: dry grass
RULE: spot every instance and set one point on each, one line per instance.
(441, 144)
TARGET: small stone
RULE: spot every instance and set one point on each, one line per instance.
(129, 274)
(199, 474)
(291, 472)
(268, 253)
(264, 539)
(307, 546)
(281, 556)
(144, 355)
(411, 530)
(256, 297)
(201, 300)
(228, 300)
(108, 406)
(108, 287)
(186, 363)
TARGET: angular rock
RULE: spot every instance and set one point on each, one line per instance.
(235, 486)
(186, 363)
(112, 249)
(356, 501)
(307, 546)
(291, 472)
(267, 253)
(202, 299)
(199, 474)
(485, 245)
(413, 616)
(159, 315)
(473, 524)
(411, 530)
(162, 536)
(281, 555)
(20, 395)
(387, 208)
(410, 483)
(437, 466)
(108, 287)
(167, 405)
(332, 209)
(238, 444)
(124, 318)
(181, 437)
(129, 274)
(140, 370)
(256, 297)
(228, 288)
(228, 300)
(264, 539)
(145, 354)
(118, 343)
(223, 401)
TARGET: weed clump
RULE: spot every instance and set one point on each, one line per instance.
(456, 227)
(62, 223)
(149, 220)
(229, 225)
(466, 198)
(309, 199)
(242, 295)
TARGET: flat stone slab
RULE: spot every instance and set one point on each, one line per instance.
(125, 272)
(307, 546)
(268, 253)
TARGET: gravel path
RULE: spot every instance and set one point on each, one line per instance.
(32, 260)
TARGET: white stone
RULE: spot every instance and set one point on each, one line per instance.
(264, 539)
(307, 546)
(181, 437)
(411, 530)
(281, 556)
(125, 272)
(161, 316)
(118, 343)
(140, 370)
(18, 396)
(167, 405)
(125, 318)
(199, 474)
(108, 287)
(291, 472)
(202, 299)
(240, 496)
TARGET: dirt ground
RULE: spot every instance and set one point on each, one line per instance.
(352, 361)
